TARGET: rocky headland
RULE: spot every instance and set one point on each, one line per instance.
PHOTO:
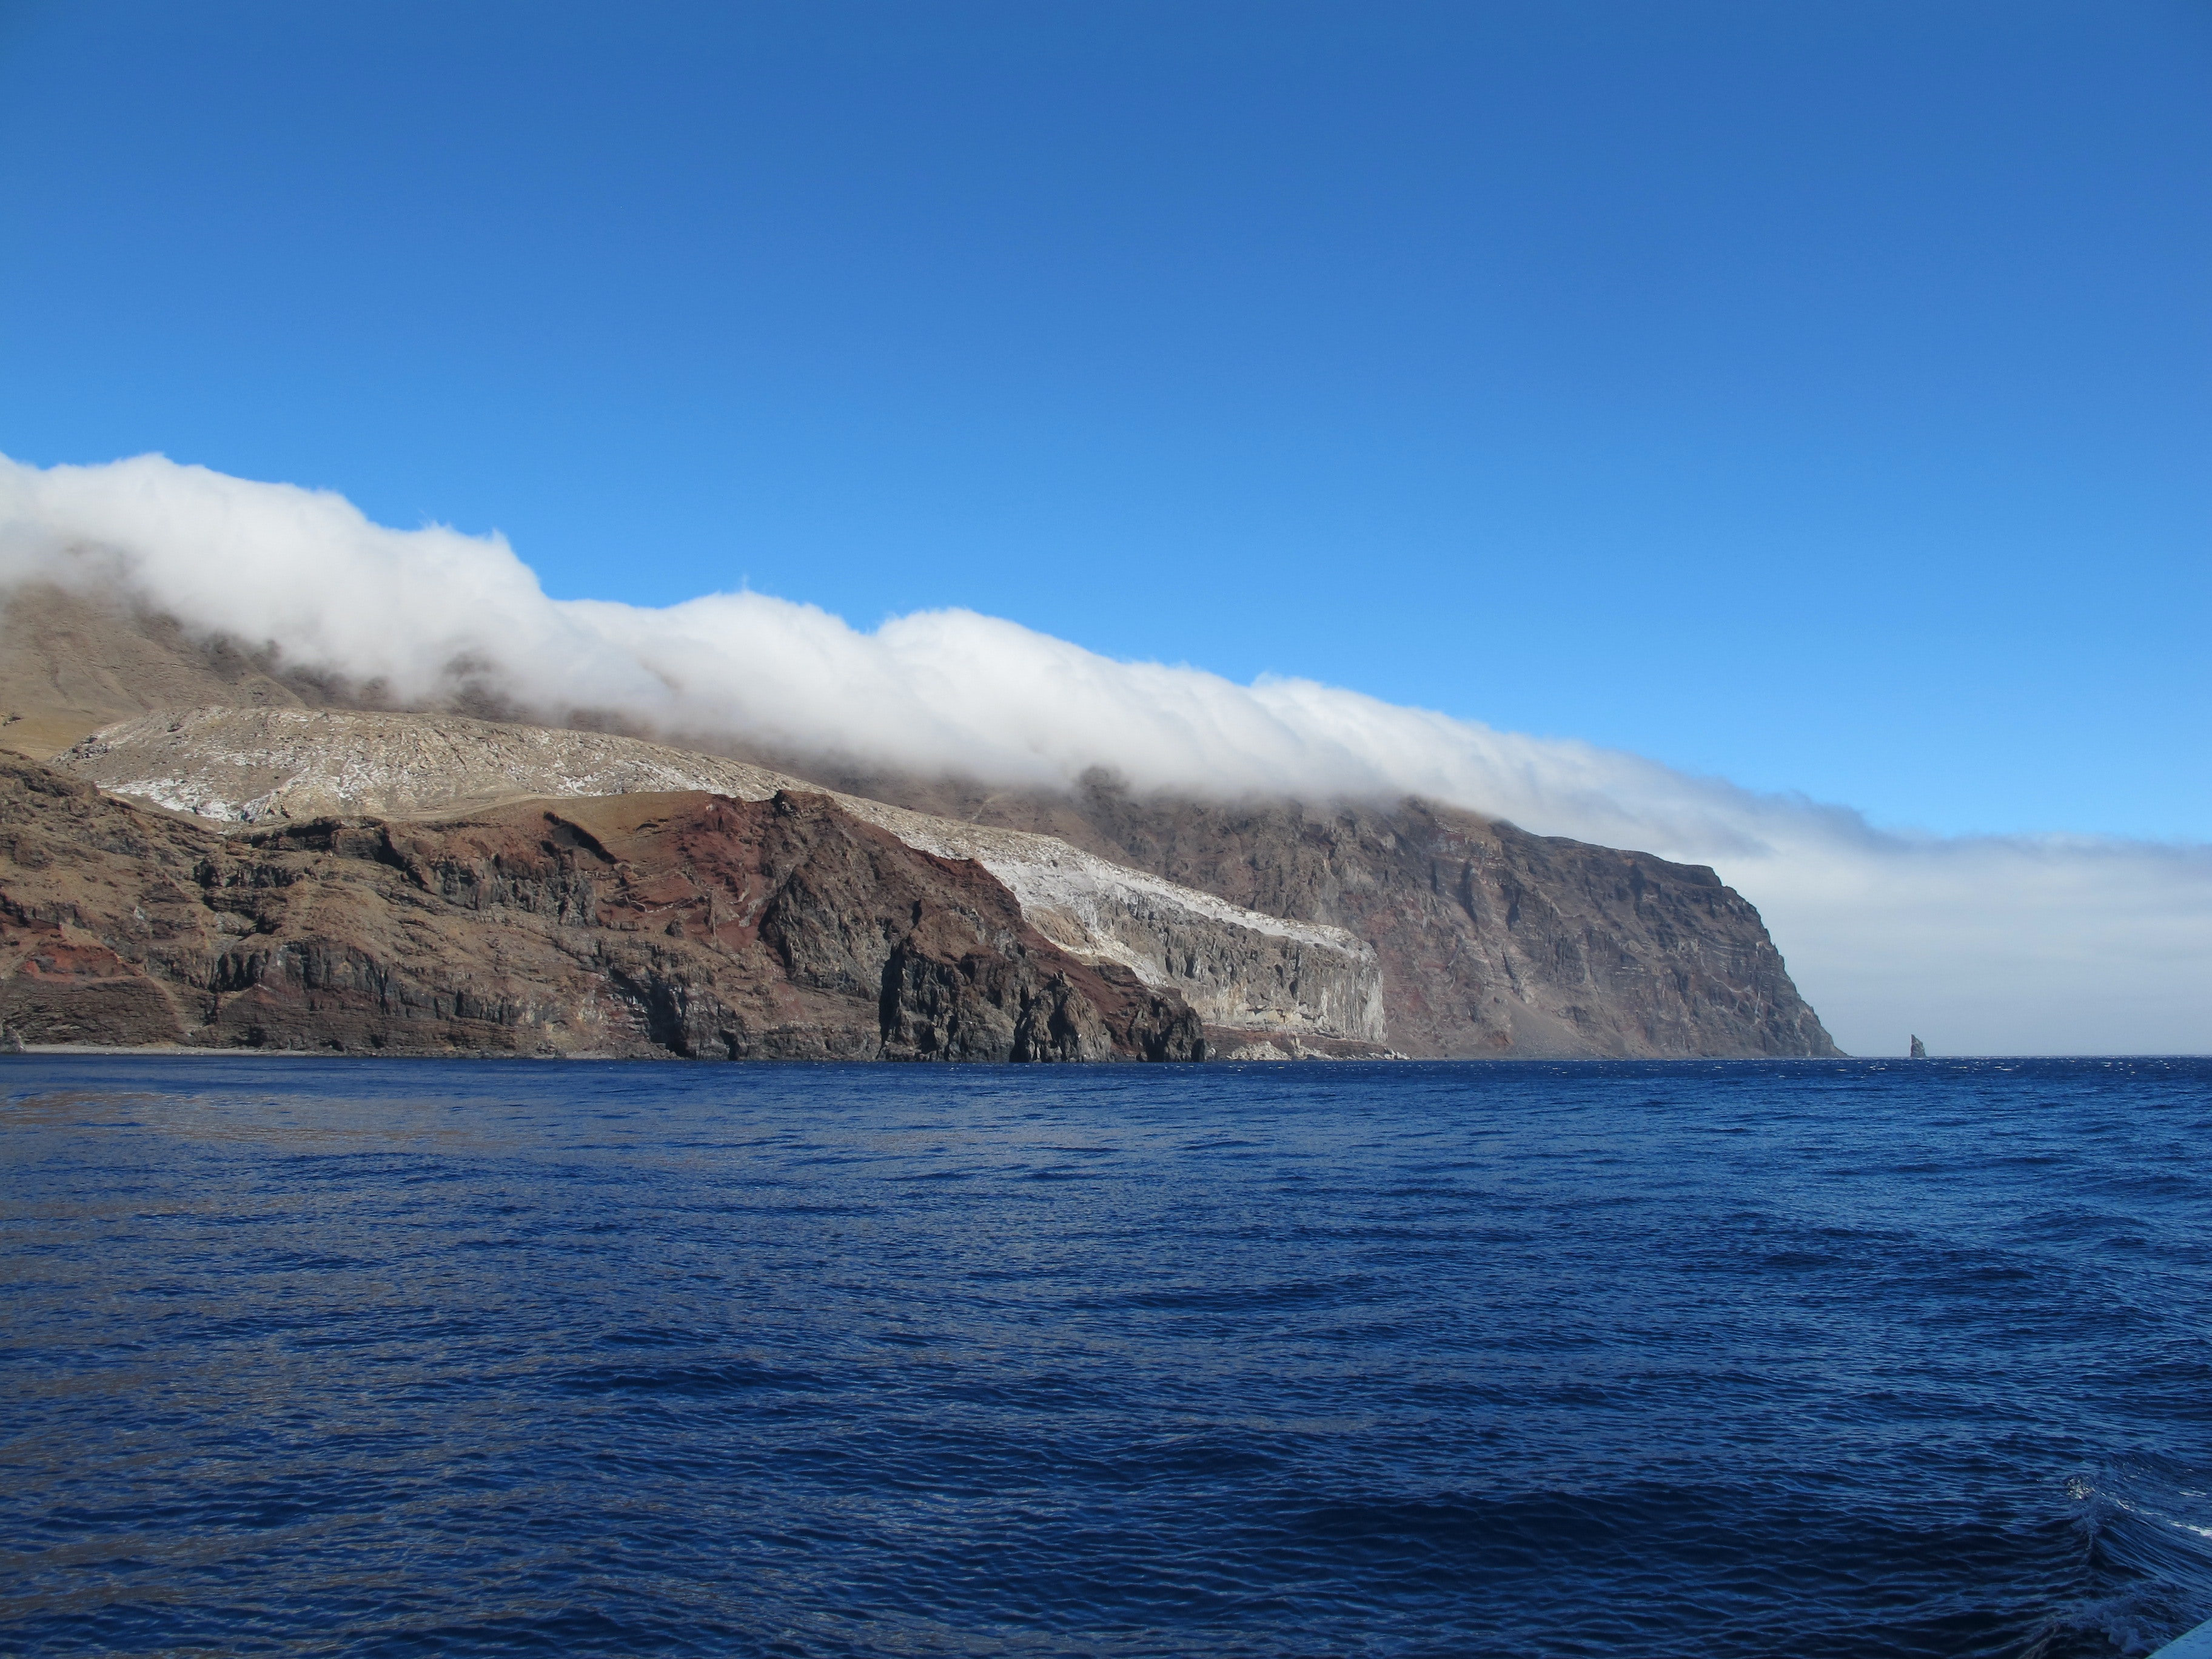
(245, 771)
(424, 881)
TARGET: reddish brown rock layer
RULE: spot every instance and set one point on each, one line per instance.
(688, 924)
(1492, 941)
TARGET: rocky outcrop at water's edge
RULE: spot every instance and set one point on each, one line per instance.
(1288, 928)
(244, 769)
(636, 925)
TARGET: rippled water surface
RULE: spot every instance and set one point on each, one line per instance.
(1802, 1358)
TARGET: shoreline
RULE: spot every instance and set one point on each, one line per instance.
(53, 1050)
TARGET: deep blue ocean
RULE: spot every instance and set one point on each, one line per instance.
(1795, 1359)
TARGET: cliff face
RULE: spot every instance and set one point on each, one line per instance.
(262, 767)
(1494, 940)
(1309, 927)
(635, 925)
(1491, 941)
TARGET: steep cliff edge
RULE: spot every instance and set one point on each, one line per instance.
(1473, 937)
(1494, 940)
(260, 767)
(1491, 941)
(640, 924)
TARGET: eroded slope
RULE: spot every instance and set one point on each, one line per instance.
(260, 767)
(642, 924)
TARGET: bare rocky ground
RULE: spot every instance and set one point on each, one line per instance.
(259, 769)
(629, 925)
(1282, 928)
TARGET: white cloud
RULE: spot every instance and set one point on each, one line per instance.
(2019, 944)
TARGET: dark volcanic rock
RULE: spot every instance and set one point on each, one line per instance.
(1492, 941)
(690, 924)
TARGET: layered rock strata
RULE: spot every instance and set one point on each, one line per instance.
(1486, 939)
(259, 767)
(642, 924)
(1491, 941)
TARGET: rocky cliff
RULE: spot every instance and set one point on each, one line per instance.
(1491, 941)
(1242, 969)
(638, 924)
(1309, 927)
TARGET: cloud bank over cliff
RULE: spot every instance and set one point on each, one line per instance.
(2014, 943)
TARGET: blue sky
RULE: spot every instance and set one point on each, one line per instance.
(1817, 395)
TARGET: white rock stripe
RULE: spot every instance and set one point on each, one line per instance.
(246, 768)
